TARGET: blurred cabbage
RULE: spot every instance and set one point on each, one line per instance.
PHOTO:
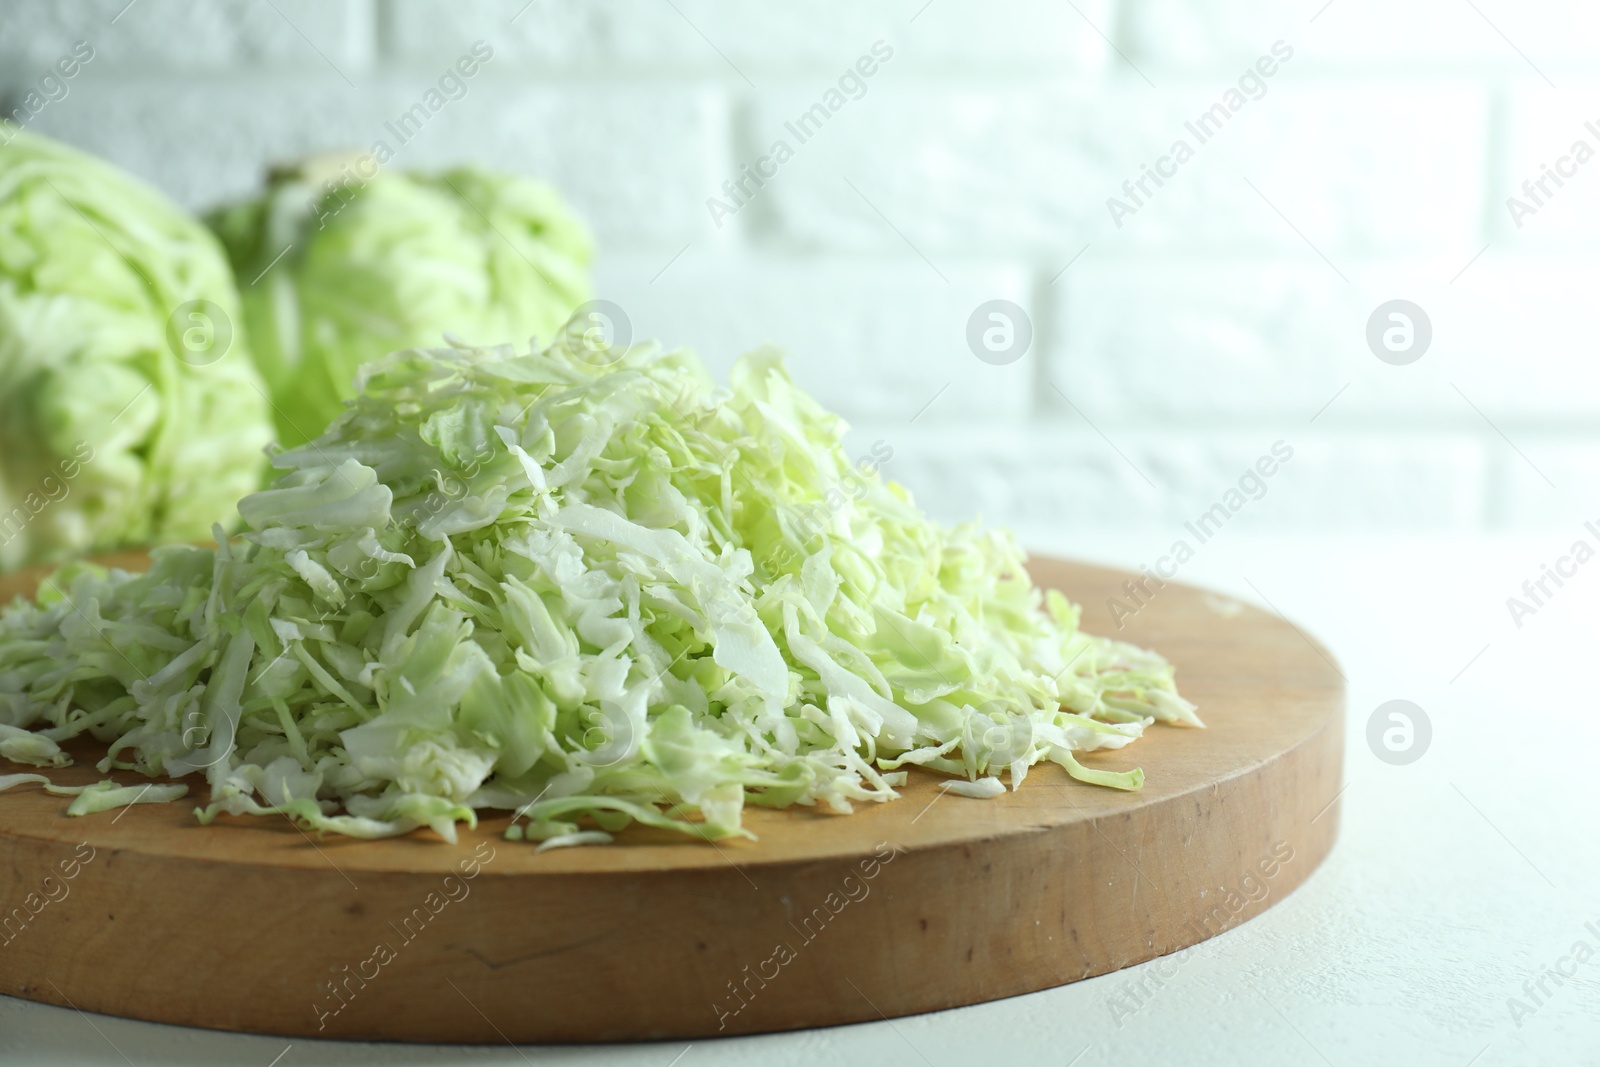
(396, 261)
(130, 410)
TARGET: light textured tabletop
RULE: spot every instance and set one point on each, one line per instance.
(1463, 881)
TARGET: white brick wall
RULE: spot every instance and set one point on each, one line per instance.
(835, 323)
(654, 37)
(188, 35)
(1227, 313)
(205, 141)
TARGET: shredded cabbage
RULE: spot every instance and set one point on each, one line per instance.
(100, 796)
(579, 584)
(108, 796)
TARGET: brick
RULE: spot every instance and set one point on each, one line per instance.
(1368, 168)
(1386, 168)
(1065, 473)
(1362, 33)
(1238, 337)
(636, 166)
(190, 34)
(1159, 337)
(704, 35)
(1521, 324)
(1543, 127)
(1569, 499)
(878, 339)
(946, 167)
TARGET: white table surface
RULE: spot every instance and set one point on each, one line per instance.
(1456, 878)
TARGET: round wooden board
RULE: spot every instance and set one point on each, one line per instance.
(931, 901)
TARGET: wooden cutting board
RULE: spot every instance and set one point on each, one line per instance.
(931, 901)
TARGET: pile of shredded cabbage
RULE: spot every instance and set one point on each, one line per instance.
(576, 582)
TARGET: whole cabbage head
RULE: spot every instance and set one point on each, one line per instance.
(130, 410)
(353, 268)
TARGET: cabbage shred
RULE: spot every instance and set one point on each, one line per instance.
(576, 583)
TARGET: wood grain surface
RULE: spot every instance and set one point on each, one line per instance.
(931, 901)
